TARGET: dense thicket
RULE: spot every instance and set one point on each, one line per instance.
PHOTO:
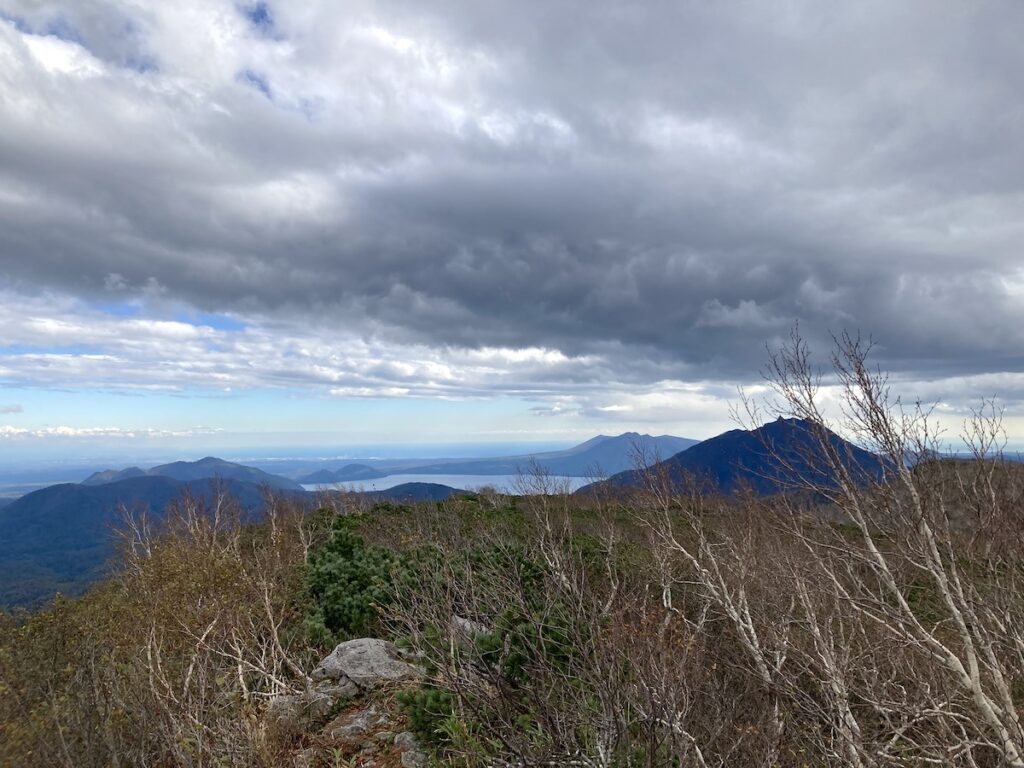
(853, 624)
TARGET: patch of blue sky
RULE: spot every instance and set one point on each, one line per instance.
(255, 80)
(16, 350)
(259, 16)
(119, 308)
(216, 321)
(61, 28)
(56, 26)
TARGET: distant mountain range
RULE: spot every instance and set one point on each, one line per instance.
(600, 456)
(202, 469)
(58, 538)
(61, 538)
(778, 456)
(348, 474)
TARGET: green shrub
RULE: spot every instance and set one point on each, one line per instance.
(348, 582)
(429, 709)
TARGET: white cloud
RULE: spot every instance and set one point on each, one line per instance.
(584, 205)
(8, 432)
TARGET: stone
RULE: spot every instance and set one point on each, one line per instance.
(412, 755)
(367, 663)
(354, 724)
(406, 740)
(297, 713)
(467, 628)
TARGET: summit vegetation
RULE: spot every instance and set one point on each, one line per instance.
(863, 609)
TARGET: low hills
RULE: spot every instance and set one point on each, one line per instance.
(413, 492)
(347, 474)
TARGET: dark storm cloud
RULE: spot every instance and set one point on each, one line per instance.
(666, 185)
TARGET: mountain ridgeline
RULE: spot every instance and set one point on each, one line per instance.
(600, 456)
(60, 538)
(187, 471)
(350, 473)
(783, 455)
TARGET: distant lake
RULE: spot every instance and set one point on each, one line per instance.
(503, 483)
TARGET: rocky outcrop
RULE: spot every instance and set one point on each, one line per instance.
(349, 708)
(293, 714)
(364, 664)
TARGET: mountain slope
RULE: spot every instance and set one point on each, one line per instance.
(203, 469)
(741, 458)
(60, 537)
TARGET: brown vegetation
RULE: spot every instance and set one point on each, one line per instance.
(845, 624)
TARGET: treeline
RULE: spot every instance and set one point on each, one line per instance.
(843, 623)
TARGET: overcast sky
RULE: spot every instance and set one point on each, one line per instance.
(490, 221)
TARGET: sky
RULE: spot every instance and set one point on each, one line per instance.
(258, 224)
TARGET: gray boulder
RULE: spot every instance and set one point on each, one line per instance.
(412, 754)
(299, 713)
(355, 724)
(366, 663)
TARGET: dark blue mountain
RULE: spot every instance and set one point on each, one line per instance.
(203, 469)
(113, 475)
(60, 538)
(779, 456)
(347, 474)
(412, 492)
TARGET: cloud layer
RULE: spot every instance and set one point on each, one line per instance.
(580, 203)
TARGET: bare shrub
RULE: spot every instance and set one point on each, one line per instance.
(866, 616)
(169, 663)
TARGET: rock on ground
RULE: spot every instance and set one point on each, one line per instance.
(365, 671)
(367, 662)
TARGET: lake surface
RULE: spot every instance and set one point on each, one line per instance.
(503, 483)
